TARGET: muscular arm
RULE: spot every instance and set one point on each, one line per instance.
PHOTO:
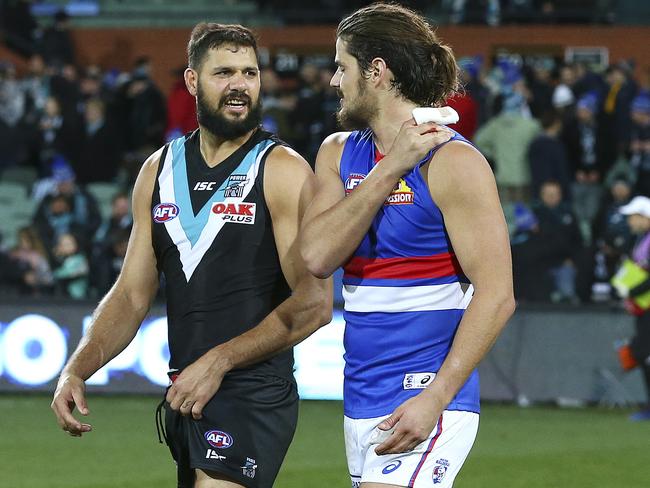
(334, 225)
(323, 249)
(463, 187)
(119, 314)
(288, 188)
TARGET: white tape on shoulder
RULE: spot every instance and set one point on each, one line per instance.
(441, 115)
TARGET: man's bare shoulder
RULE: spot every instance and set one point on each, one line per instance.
(460, 158)
(285, 159)
(456, 169)
(145, 182)
(152, 163)
(329, 154)
(337, 139)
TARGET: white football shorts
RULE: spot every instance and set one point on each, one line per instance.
(435, 462)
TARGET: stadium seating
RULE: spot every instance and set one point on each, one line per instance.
(23, 175)
(18, 208)
(103, 193)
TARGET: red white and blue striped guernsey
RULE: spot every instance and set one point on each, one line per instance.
(405, 294)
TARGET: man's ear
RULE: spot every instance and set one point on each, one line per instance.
(191, 81)
(379, 71)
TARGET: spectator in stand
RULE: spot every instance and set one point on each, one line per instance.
(64, 85)
(639, 158)
(563, 100)
(471, 75)
(36, 86)
(69, 209)
(584, 143)
(90, 84)
(586, 81)
(100, 153)
(547, 156)
(107, 242)
(615, 119)
(31, 255)
(12, 109)
(181, 109)
(145, 111)
(56, 44)
(278, 106)
(540, 81)
(612, 236)
(560, 233)
(529, 263)
(57, 136)
(504, 139)
(71, 267)
(309, 114)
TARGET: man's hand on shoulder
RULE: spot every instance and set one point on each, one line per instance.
(412, 143)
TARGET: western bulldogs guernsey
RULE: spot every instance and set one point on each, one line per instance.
(404, 292)
(214, 242)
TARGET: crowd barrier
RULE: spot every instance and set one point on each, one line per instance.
(546, 354)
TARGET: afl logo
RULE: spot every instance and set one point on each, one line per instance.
(352, 181)
(164, 212)
(219, 439)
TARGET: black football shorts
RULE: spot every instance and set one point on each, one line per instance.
(244, 434)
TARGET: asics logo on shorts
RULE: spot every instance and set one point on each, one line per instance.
(391, 467)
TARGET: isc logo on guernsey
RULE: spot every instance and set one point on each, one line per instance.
(237, 213)
(164, 212)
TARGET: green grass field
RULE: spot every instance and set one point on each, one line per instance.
(527, 448)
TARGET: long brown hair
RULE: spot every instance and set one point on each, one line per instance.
(425, 70)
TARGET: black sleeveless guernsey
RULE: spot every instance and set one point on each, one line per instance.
(214, 244)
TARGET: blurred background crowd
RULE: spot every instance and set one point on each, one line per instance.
(569, 144)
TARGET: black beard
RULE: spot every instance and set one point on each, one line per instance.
(218, 125)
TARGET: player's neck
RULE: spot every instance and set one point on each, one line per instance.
(215, 149)
(392, 114)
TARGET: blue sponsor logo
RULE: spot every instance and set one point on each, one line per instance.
(391, 467)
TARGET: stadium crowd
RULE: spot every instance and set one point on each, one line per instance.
(569, 145)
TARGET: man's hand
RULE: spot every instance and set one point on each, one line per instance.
(412, 422)
(70, 392)
(195, 386)
(412, 143)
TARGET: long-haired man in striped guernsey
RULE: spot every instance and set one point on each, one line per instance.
(411, 212)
